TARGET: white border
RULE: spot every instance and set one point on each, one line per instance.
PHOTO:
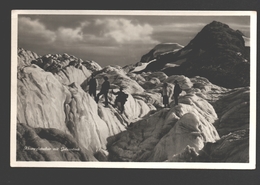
(143, 165)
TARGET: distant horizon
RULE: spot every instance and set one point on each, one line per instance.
(113, 39)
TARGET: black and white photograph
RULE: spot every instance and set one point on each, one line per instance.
(133, 89)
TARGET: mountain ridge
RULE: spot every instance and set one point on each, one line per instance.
(217, 52)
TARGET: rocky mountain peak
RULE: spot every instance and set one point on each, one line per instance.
(217, 52)
(216, 37)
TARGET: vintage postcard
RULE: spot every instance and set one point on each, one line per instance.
(133, 89)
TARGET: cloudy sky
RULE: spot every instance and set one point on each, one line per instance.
(112, 39)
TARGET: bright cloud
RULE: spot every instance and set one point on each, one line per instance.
(84, 24)
(69, 34)
(124, 31)
(33, 29)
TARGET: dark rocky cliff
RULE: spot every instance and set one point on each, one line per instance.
(217, 52)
